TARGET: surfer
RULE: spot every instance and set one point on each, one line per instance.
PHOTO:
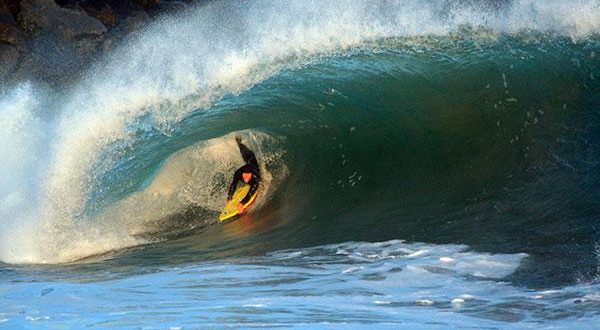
(249, 174)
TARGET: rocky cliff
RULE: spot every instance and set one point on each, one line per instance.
(52, 40)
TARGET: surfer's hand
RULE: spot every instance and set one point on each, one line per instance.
(240, 208)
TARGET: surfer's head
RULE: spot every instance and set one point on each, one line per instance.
(247, 176)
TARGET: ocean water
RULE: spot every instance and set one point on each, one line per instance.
(427, 164)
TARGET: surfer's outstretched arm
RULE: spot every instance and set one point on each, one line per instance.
(247, 154)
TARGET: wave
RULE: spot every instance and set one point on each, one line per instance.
(189, 78)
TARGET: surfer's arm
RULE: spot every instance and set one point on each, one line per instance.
(247, 154)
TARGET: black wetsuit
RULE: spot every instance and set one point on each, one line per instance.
(250, 167)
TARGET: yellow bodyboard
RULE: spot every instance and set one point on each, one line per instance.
(230, 210)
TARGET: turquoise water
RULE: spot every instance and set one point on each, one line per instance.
(426, 165)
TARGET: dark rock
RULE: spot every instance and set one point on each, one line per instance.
(148, 3)
(6, 18)
(86, 48)
(10, 6)
(136, 21)
(9, 34)
(126, 28)
(121, 8)
(60, 42)
(54, 41)
(49, 57)
(169, 7)
(6, 15)
(46, 14)
(9, 58)
(105, 15)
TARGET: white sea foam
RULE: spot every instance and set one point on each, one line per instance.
(279, 286)
(424, 302)
(457, 302)
(22, 153)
